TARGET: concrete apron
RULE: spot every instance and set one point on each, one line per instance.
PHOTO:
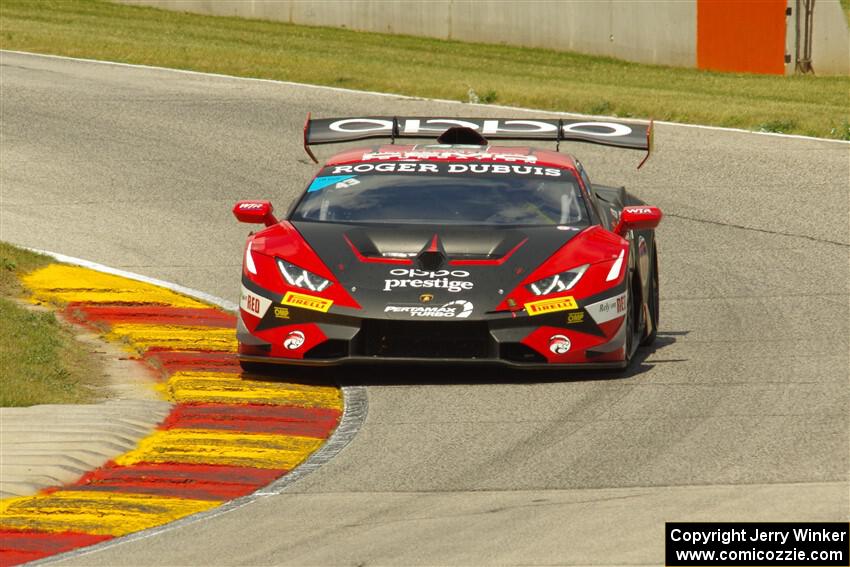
(50, 445)
(218, 435)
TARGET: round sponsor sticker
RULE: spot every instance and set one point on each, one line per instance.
(294, 340)
(559, 344)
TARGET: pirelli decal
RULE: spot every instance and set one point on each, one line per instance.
(550, 305)
(307, 301)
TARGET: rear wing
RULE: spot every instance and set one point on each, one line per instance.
(630, 136)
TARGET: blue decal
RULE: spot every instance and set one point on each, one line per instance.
(321, 182)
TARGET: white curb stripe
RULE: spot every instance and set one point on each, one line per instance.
(223, 303)
(408, 97)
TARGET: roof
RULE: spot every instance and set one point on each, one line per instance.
(457, 154)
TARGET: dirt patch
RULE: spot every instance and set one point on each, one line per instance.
(124, 377)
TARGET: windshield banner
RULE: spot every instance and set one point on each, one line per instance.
(440, 169)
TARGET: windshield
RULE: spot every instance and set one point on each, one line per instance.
(444, 193)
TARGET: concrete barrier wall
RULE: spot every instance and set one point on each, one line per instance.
(831, 40)
(647, 31)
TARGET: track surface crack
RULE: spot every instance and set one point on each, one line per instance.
(762, 230)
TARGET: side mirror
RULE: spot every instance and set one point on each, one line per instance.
(640, 217)
(255, 212)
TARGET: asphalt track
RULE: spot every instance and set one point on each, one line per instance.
(740, 413)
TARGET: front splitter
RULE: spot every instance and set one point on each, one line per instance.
(378, 360)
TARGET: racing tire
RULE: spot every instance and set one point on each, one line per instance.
(629, 325)
(653, 303)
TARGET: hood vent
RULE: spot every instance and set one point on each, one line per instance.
(433, 256)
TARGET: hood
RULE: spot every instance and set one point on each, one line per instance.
(393, 269)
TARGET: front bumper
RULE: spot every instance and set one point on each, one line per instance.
(512, 340)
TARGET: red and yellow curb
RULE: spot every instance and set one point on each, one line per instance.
(225, 437)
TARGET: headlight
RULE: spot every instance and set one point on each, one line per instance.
(558, 282)
(249, 260)
(299, 277)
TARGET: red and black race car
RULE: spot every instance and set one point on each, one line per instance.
(456, 251)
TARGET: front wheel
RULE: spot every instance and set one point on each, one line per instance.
(629, 323)
(653, 303)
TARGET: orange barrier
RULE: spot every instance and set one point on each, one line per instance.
(746, 36)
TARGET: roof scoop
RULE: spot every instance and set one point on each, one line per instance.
(461, 135)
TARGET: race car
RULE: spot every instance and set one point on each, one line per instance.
(452, 251)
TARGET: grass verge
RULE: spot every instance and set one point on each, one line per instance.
(537, 78)
(41, 360)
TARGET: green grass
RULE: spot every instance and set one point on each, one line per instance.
(845, 5)
(537, 78)
(15, 262)
(41, 361)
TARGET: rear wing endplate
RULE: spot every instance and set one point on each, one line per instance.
(632, 136)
